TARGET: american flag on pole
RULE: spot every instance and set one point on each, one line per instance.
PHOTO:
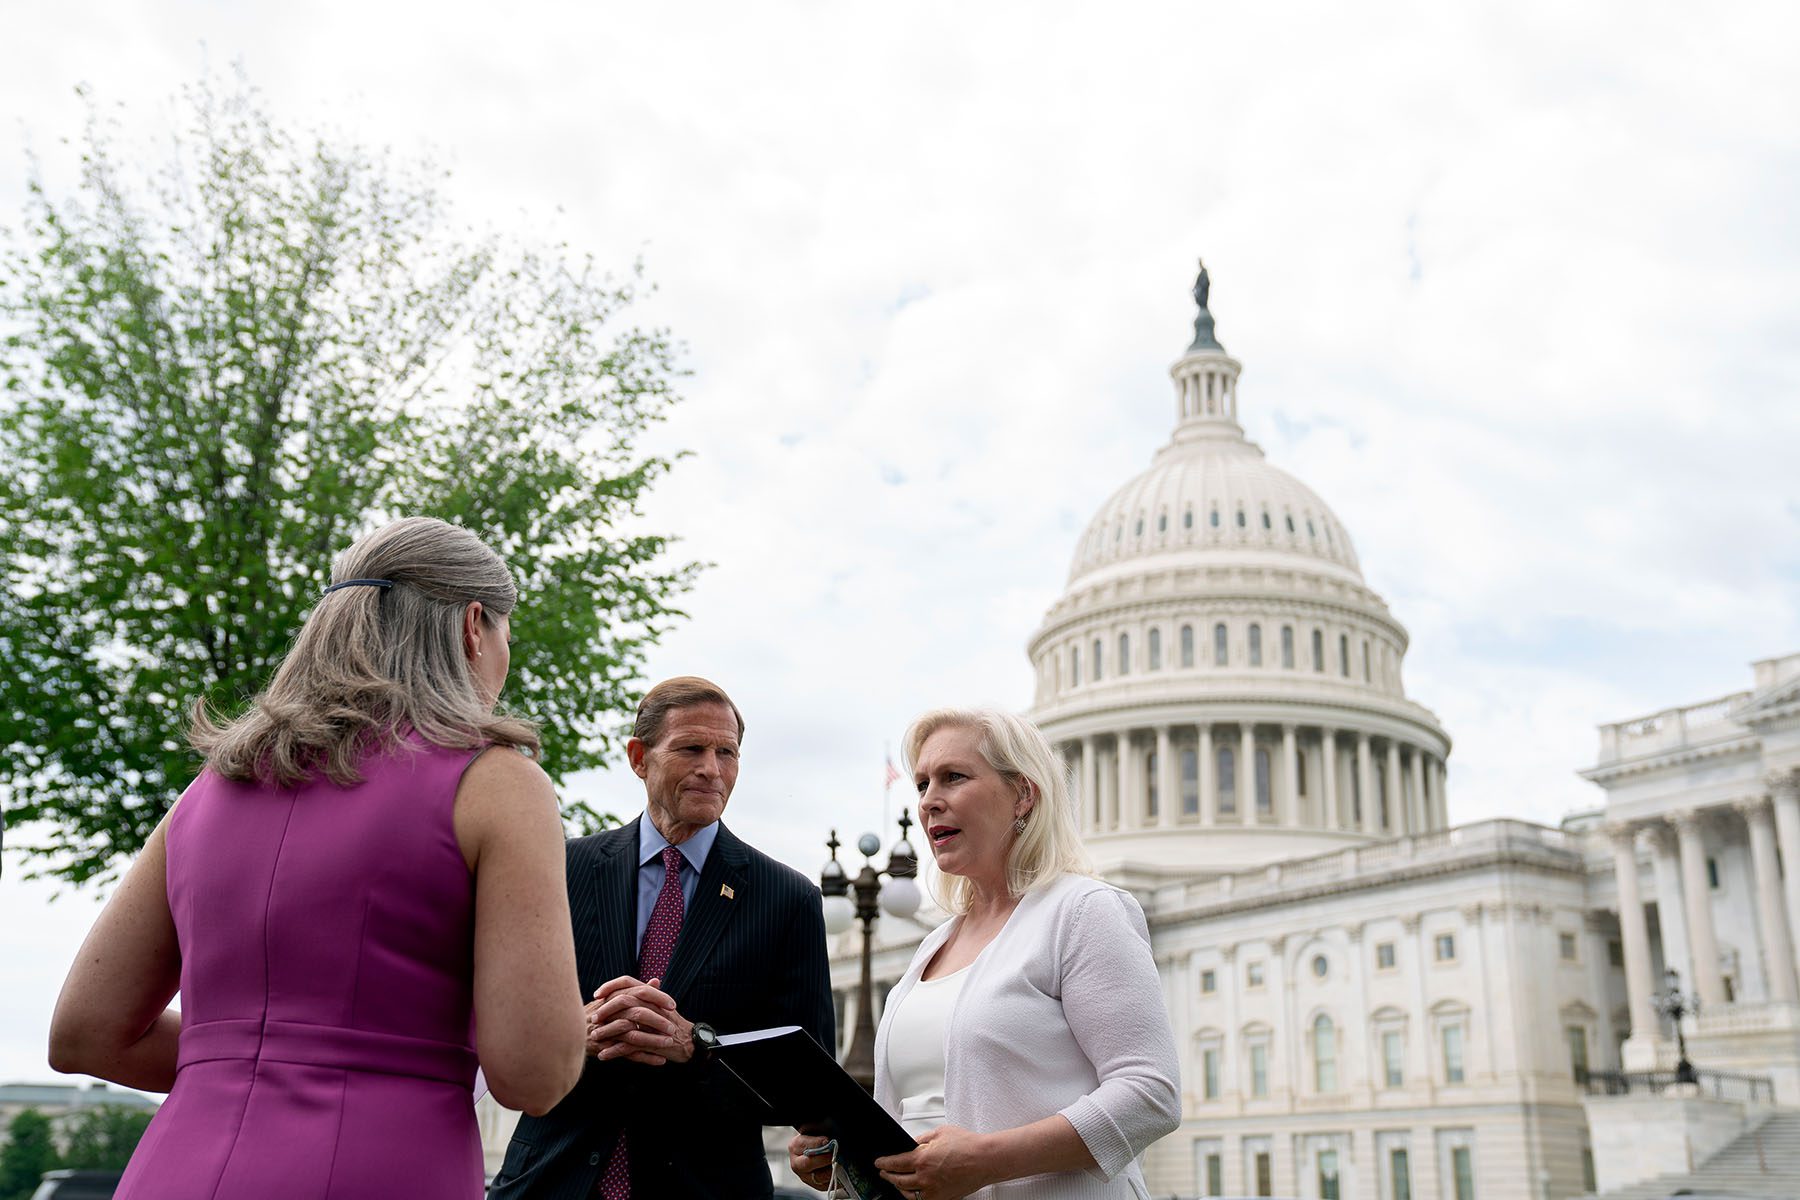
(892, 777)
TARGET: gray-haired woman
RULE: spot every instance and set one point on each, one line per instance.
(1026, 1047)
(360, 897)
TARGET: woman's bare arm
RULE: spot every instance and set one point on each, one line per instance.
(529, 1026)
(113, 1018)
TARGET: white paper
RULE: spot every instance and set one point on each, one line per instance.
(755, 1035)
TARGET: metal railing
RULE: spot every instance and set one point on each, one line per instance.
(1720, 1085)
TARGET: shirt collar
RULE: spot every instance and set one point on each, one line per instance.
(695, 849)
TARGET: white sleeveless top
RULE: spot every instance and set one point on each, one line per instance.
(915, 1049)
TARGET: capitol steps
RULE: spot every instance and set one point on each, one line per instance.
(1737, 1170)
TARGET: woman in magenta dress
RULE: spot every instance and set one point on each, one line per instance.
(359, 899)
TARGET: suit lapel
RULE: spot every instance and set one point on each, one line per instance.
(711, 911)
(615, 909)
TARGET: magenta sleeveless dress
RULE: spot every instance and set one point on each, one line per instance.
(326, 971)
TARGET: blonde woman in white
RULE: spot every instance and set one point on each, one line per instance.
(1026, 1047)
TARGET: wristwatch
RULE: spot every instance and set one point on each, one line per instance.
(706, 1040)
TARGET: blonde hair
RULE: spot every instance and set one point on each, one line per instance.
(1050, 846)
(372, 662)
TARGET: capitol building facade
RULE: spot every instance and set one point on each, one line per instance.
(1371, 1002)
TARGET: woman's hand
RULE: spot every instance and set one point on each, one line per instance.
(949, 1163)
(812, 1169)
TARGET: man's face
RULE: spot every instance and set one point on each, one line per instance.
(690, 771)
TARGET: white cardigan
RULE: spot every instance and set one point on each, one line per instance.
(1061, 1013)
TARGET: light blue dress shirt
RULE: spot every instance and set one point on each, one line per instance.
(650, 868)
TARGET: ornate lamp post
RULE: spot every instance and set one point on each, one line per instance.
(1673, 1004)
(900, 898)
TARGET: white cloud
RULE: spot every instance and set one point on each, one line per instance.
(1511, 286)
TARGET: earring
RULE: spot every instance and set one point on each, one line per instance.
(1018, 824)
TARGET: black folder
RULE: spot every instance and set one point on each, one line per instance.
(795, 1082)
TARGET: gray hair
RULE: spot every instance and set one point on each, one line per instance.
(683, 691)
(371, 662)
(1050, 846)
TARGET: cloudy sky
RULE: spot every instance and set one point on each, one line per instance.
(1512, 285)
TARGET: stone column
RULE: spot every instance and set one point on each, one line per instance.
(1090, 785)
(1328, 779)
(1168, 779)
(1704, 943)
(1126, 806)
(1365, 779)
(1436, 775)
(1785, 788)
(1635, 933)
(1416, 821)
(1395, 793)
(1207, 765)
(1290, 777)
(1246, 774)
(1777, 955)
(1671, 911)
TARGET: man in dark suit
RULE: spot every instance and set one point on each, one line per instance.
(682, 932)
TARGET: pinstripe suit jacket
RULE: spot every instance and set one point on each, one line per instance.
(748, 961)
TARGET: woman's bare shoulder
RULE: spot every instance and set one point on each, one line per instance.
(501, 770)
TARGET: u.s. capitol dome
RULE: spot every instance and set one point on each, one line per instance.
(1217, 665)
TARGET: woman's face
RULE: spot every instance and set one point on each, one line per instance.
(490, 653)
(966, 808)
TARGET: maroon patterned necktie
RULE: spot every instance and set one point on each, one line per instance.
(653, 963)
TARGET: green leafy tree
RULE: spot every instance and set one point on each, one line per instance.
(29, 1152)
(215, 374)
(102, 1138)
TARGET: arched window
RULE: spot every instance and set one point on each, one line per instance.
(1075, 666)
(1124, 654)
(1187, 645)
(1139, 531)
(1187, 519)
(1266, 523)
(1119, 532)
(1150, 797)
(1220, 645)
(1156, 649)
(1190, 782)
(1366, 667)
(1318, 640)
(1324, 1050)
(1241, 521)
(1162, 521)
(1215, 517)
(1310, 531)
(1256, 645)
(1344, 655)
(1287, 646)
(1098, 652)
(1265, 803)
(1227, 779)
(1300, 773)
(1290, 522)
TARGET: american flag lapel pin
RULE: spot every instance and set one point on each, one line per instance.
(725, 891)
